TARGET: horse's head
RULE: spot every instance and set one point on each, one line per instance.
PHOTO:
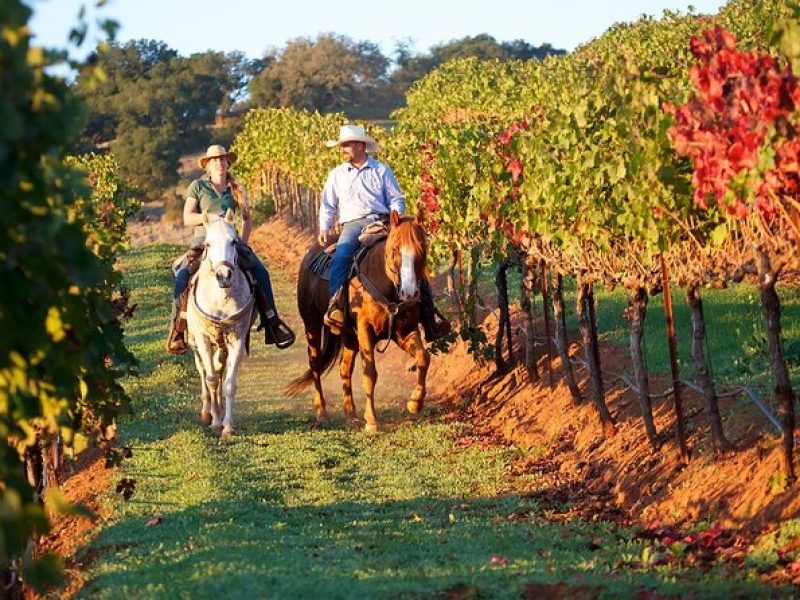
(221, 246)
(406, 251)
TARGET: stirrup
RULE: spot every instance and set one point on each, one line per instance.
(282, 334)
(330, 319)
(277, 332)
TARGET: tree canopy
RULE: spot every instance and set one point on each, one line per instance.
(331, 73)
(151, 105)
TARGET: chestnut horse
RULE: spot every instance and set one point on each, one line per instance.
(383, 305)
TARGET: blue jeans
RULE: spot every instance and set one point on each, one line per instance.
(346, 248)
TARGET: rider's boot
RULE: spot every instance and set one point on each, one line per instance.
(275, 330)
(176, 339)
(334, 316)
(434, 328)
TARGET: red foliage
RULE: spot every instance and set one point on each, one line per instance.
(743, 101)
(513, 168)
(430, 193)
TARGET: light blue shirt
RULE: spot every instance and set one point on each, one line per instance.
(357, 193)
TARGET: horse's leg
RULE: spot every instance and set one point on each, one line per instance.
(229, 383)
(206, 351)
(314, 341)
(366, 342)
(205, 395)
(346, 372)
(414, 347)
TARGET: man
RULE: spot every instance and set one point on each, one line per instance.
(362, 190)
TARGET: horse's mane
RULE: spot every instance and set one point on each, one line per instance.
(407, 236)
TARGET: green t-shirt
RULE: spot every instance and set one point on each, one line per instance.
(209, 199)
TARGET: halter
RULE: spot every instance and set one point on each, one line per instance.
(217, 325)
(392, 308)
(223, 263)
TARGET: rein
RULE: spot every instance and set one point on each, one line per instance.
(392, 308)
(220, 325)
(227, 321)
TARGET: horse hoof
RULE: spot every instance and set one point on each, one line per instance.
(206, 418)
(216, 428)
(370, 428)
(354, 423)
(227, 432)
(414, 406)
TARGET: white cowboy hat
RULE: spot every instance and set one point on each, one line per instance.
(216, 151)
(353, 133)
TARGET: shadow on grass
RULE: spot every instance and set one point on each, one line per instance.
(406, 549)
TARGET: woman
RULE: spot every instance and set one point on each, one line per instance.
(215, 193)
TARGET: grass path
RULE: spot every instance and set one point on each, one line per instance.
(284, 510)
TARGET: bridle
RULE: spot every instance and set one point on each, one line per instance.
(213, 266)
(217, 325)
(391, 307)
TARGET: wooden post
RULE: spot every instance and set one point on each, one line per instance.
(547, 328)
(673, 361)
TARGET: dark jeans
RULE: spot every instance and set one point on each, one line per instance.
(247, 260)
(346, 248)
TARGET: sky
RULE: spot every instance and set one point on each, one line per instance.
(254, 26)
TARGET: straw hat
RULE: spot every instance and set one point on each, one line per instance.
(353, 133)
(216, 151)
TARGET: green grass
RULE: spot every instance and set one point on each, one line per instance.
(286, 510)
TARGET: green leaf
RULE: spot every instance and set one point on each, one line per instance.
(719, 235)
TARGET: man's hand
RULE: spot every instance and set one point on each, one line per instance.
(322, 238)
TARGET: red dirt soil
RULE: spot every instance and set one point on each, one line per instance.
(582, 474)
(656, 486)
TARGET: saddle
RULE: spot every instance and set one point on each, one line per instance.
(372, 234)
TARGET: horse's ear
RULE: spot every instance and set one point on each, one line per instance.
(419, 218)
(395, 218)
(206, 220)
(229, 216)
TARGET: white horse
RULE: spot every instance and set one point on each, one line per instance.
(218, 317)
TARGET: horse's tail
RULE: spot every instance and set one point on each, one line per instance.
(331, 346)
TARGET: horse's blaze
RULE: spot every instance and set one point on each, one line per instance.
(408, 278)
